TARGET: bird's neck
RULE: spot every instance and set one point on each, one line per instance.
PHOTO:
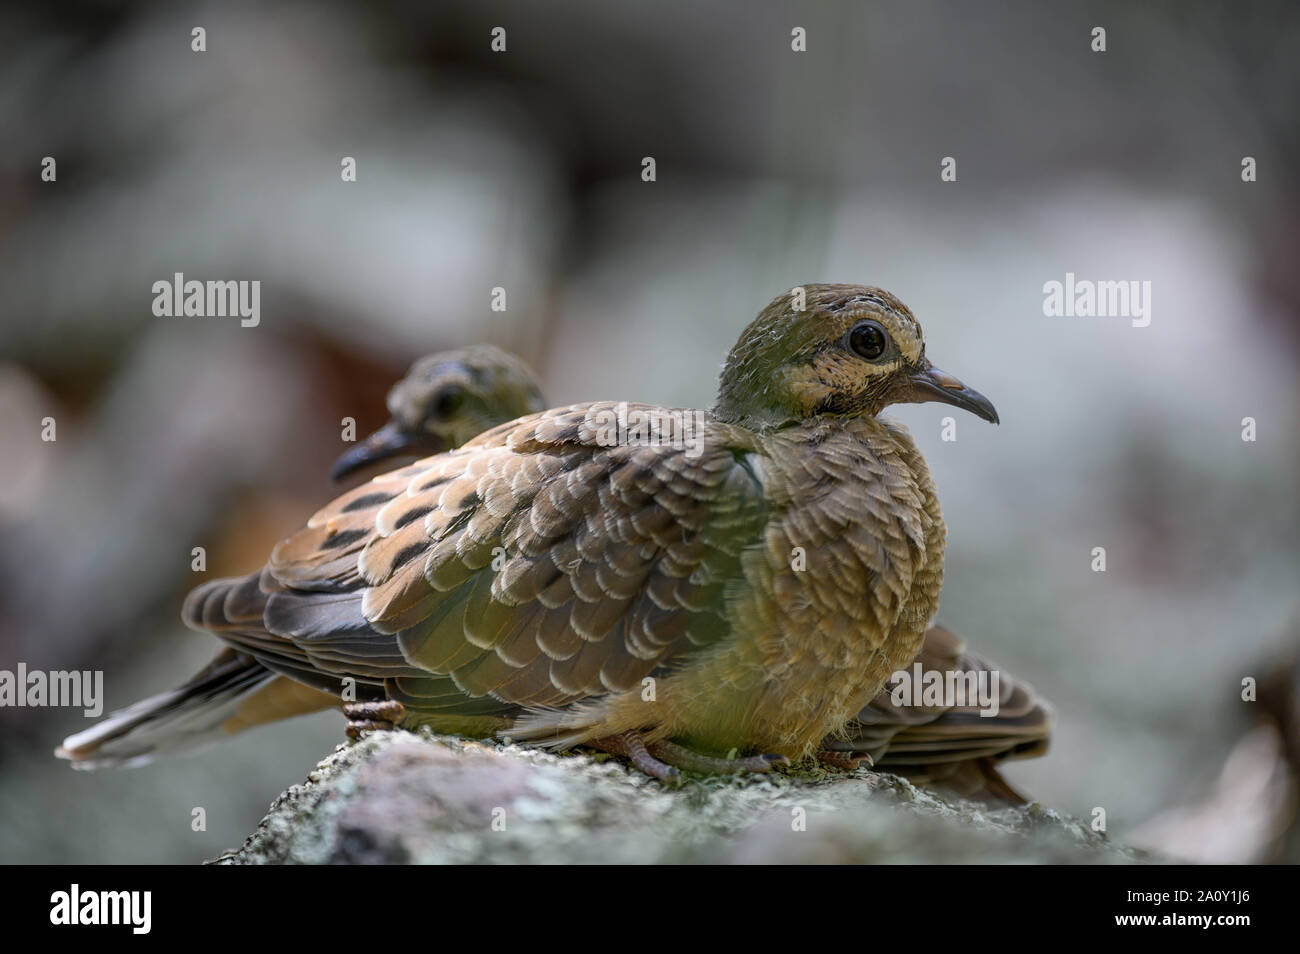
(872, 437)
(759, 416)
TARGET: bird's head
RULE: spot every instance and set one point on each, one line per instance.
(444, 400)
(845, 350)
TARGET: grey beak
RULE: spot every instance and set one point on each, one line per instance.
(932, 384)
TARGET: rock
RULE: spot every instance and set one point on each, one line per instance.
(400, 797)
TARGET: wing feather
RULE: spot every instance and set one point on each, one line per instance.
(536, 565)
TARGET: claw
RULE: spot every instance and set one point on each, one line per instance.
(845, 761)
(382, 716)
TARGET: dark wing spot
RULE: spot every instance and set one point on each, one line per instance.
(337, 540)
(434, 482)
(411, 515)
(369, 500)
(406, 556)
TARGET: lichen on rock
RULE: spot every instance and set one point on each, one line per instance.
(401, 797)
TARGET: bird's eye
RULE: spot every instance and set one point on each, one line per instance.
(868, 340)
(448, 401)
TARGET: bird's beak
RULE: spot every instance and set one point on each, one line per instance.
(932, 384)
(389, 441)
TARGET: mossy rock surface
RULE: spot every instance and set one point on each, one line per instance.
(399, 797)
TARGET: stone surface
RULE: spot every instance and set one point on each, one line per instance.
(398, 797)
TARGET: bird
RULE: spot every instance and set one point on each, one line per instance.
(642, 594)
(954, 745)
(444, 400)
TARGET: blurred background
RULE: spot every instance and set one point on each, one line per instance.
(522, 170)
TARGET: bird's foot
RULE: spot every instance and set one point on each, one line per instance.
(383, 716)
(662, 759)
(682, 757)
(631, 746)
(844, 761)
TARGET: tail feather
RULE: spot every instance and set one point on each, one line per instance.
(232, 693)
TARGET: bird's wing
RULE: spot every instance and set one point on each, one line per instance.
(236, 611)
(538, 564)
